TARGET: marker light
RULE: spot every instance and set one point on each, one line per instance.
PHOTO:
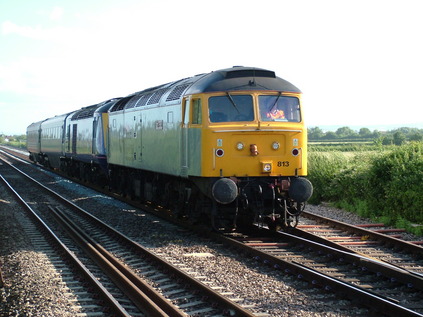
(295, 152)
(219, 152)
(240, 146)
(275, 145)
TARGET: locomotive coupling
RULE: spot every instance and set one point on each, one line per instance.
(224, 190)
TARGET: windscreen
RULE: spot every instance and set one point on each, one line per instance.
(231, 108)
(279, 108)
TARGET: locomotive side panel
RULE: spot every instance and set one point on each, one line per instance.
(161, 139)
(145, 138)
(116, 147)
(132, 137)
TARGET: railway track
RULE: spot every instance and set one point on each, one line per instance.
(75, 276)
(175, 293)
(370, 240)
(386, 289)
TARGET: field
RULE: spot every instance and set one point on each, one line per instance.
(379, 182)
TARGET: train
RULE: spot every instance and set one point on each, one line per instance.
(227, 148)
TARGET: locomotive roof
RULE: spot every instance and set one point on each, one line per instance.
(230, 79)
(241, 78)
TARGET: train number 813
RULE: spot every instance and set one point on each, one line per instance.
(283, 163)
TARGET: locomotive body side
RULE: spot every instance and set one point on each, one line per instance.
(149, 138)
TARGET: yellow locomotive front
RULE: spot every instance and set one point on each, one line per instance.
(253, 134)
(254, 148)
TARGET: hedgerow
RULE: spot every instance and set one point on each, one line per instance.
(377, 184)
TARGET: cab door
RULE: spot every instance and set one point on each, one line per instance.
(184, 136)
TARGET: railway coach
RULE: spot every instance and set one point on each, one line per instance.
(73, 142)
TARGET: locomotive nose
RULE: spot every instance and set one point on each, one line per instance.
(224, 191)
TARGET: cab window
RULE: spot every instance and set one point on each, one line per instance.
(196, 111)
(231, 108)
(279, 108)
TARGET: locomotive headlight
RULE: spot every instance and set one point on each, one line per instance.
(240, 146)
(266, 167)
(275, 146)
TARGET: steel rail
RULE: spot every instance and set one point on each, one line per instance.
(311, 237)
(114, 305)
(410, 247)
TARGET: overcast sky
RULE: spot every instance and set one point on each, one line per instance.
(358, 63)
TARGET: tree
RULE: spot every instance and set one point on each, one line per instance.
(364, 132)
(416, 137)
(399, 138)
(376, 134)
(387, 140)
(345, 132)
(330, 135)
(315, 133)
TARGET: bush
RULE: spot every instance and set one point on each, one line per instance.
(323, 168)
(373, 184)
(396, 181)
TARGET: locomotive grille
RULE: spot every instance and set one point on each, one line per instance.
(143, 100)
(176, 93)
(84, 113)
(131, 103)
(156, 96)
(120, 104)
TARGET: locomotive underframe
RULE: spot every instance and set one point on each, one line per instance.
(263, 201)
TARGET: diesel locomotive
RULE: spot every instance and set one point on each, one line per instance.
(228, 147)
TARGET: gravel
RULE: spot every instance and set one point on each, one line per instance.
(32, 285)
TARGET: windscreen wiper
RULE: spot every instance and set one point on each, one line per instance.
(271, 109)
(232, 101)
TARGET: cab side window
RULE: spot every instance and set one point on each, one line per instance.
(196, 111)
